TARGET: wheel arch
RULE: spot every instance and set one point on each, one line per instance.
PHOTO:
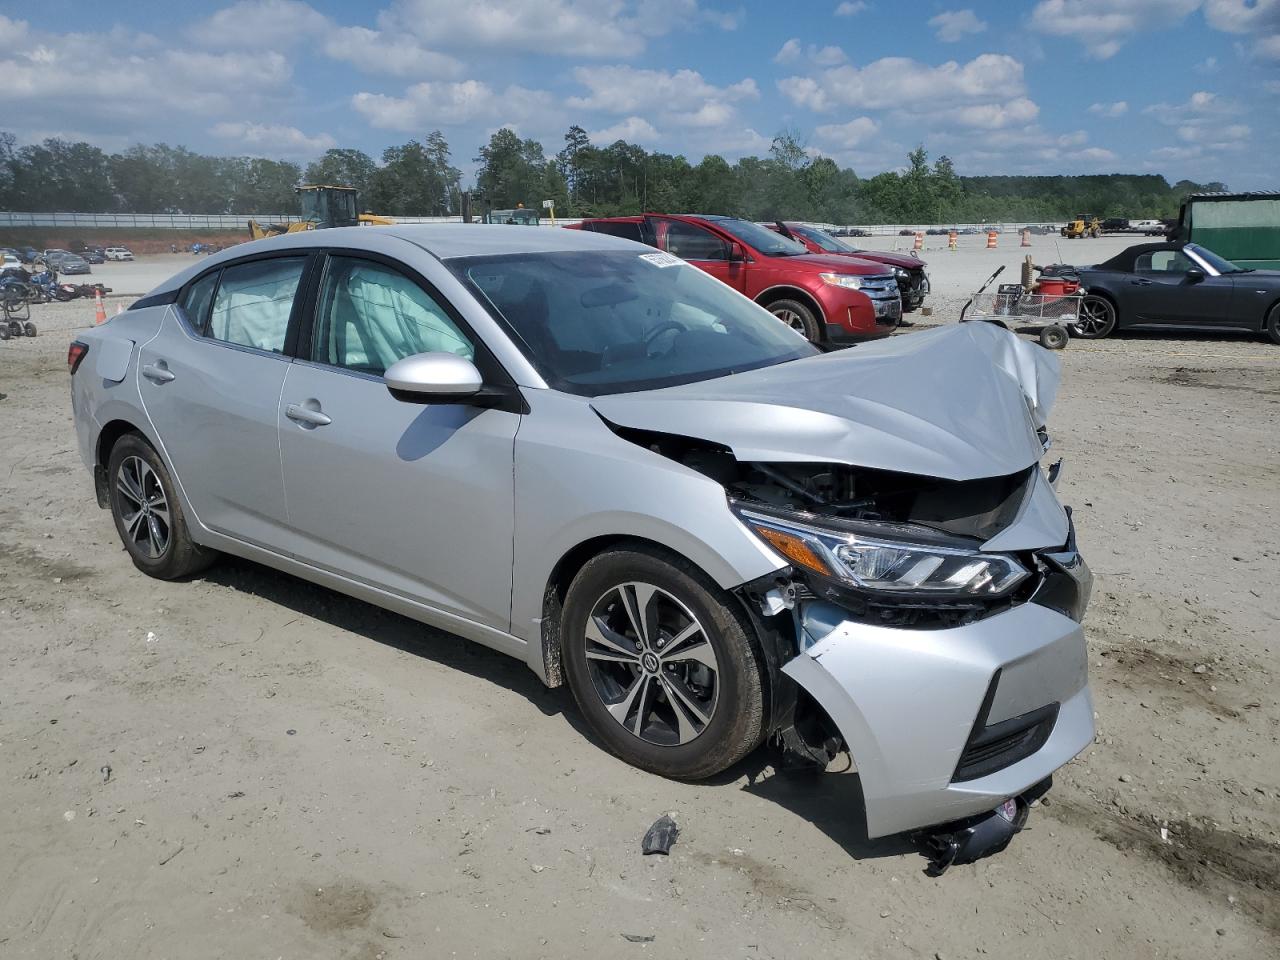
(108, 437)
(786, 292)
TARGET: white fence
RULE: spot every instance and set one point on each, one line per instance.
(230, 221)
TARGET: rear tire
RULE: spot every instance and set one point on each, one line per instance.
(29, 328)
(148, 514)
(1272, 328)
(687, 711)
(798, 317)
(1097, 318)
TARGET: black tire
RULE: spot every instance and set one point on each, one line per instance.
(179, 556)
(4, 331)
(736, 723)
(1053, 337)
(1272, 327)
(15, 328)
(1097, 318)
(29, 328)
(799, 317)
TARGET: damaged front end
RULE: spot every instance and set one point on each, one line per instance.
(926, 612)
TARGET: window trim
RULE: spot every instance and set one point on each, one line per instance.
(296, 309)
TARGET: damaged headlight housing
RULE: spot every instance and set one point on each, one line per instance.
(870, 559)
(842, 280)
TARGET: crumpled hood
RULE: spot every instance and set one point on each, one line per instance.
(957, 402)
(903, 260)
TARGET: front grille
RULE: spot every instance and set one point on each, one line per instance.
(1000, 745)
(880, 288)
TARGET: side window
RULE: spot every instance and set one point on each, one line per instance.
(196, 300)
(627, 230)
(253, 302)
(370, 316)
(688, 242)
(1163, 261)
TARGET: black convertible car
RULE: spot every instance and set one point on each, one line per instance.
(1154, 286)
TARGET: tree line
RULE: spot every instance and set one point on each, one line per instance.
(418, 178)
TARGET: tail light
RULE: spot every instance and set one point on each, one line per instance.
(76, 353)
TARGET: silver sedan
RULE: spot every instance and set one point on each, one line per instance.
(591, 456)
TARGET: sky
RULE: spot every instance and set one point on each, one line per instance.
(1184, 88)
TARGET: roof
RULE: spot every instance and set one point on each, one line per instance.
(1123, 261)
(1245, 195)
(451, 240)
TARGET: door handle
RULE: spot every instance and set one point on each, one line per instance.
(307, 416)
(157, 372)
(1141, 283)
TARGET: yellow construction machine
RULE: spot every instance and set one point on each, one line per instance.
(322, 206)
(1084, 225)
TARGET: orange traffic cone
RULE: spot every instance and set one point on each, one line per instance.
(1026, 238)
(99, 308)
(919, 241)
(952, 241)
(991, 239)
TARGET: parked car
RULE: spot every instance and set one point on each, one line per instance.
(905, 232)
(9, 261)
(118, 253)
(1115, 225)
(93, 255)
(857, 232)
(1164, 286)
(908, 269)
(831, 300)
(586, 454)
(71, 264)
(28, 254)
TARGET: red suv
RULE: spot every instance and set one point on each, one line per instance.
(908, 269)
(830, 300)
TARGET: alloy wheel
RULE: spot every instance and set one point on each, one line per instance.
(652, 664)
(791, 319)
(144, 509)
(1096, 318)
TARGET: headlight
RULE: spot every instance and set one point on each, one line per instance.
(856, 556)
(900, 273)
(842, 280)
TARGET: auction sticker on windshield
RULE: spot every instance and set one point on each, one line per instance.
(662, 259)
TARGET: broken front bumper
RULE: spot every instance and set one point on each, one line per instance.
(943, 724)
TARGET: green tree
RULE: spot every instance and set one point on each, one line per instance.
(344, 168)
(512, 171)
(416, 180)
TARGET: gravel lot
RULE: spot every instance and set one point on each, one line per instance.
(249, 766)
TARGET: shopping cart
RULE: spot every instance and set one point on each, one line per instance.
(1051, 307)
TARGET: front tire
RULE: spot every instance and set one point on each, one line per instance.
(664, 667)
(798, 317)
(148, 515)
(1272, 328)
(1097, 318)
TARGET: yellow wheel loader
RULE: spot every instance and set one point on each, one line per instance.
(1084, 225)
(322, 206)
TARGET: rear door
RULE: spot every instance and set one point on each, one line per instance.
(417, 499)
(1163, 293)
(210, 382)
(700, 246)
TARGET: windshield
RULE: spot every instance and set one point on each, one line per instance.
(594, 323)
(1221, 264)
(823, 239)
(770, 244)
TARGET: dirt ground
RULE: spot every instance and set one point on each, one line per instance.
(249, 766)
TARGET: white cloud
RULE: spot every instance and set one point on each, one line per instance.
(1104, 25)
(622, 89)
(1213, 133)
(1203, 105)
(1268, 48)
(1243, 16)
(952, 26)
(788, 52)
(258, 25)
(850, 8)
(632, 129)
(273, 139)
(848, 135)
(375, 51)
(1117, 109)
(1206, 66)
(993, 116)
(583, 28)
(899, 81)
(429, 104)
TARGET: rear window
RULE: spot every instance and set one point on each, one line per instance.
(626, 230)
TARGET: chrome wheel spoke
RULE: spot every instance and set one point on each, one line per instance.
(128, 485)
(644, 702)
(699, 652)
(637, 598)
(133, 523)
(685, 730)
(600, 634)
(155, 536)
(144, 509)
(622, 709)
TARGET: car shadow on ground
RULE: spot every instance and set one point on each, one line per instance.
(832, 802)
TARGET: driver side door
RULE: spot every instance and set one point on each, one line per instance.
(1163, 293)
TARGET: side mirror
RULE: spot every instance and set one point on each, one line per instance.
(736, 253)
(433, 378)
(1195, 275)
